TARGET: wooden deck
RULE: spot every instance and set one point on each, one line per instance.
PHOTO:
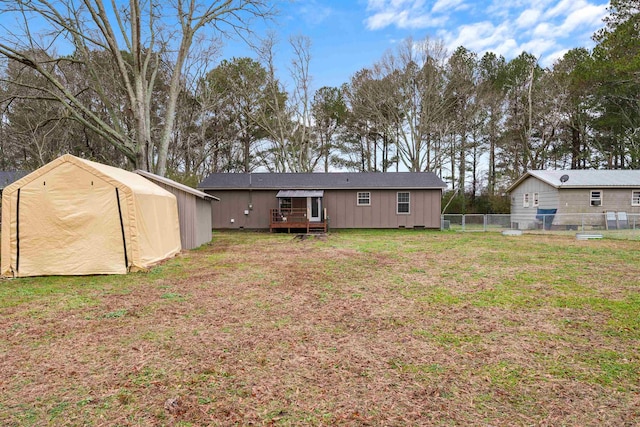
(295, 219)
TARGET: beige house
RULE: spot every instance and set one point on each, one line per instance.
(563, 198)
(319, 201)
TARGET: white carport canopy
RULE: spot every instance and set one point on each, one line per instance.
(299, 193)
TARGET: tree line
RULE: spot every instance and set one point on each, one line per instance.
(137, 94)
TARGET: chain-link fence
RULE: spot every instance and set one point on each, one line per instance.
(476, 222)
(611, 224)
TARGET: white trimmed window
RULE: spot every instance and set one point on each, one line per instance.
(595, 198)
(525, 200)
(364, 198)
(536, 199)
(635, 198)
(285, 202)
(403, 203)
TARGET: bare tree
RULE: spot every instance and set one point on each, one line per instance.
(328, 112)
(374, 120)
(420, 107)
(287, 120)
(138, 38)
(491, 94)
(462, 111)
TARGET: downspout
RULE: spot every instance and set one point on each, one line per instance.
(250, 194)
(250, 204)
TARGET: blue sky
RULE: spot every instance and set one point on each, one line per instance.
(348, 35)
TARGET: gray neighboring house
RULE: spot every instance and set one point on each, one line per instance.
(194, 210)
(539, 194)
(318, 201)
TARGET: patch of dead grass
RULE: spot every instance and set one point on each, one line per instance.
(391, 328)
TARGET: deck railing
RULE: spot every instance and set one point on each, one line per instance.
(295, 218)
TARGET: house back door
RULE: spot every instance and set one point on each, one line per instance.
(314, 204)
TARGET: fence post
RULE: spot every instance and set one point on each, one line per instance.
(463, 218)
(484, 222)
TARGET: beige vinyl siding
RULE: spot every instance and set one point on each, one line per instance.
(577, 201)
(613, 199)
(203, 224)
(192, 221)
(341, 207)
(186, 214)
(233, 203)
(343, 211)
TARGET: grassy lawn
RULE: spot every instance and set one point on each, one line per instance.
(358, 328)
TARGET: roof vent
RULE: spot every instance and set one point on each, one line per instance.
(564, 178)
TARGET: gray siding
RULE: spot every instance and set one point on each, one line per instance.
(566, 201)
(525, 218)
(192, 225)
(203, 223)
(341, 207)
(344, 212)
(613, 199)
(232, 206)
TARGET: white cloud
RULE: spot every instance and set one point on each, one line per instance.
(537, 47)
(509, 48)
(404, 14)
(550, 59)
(479, 37)
(424, 21)
(589, 16)
(375, 4)
(380, 20)
(528, 18)
(563, 7)
(381, 5)
(586, 19)
(545, 28)
(407, 14)
(446, 5)
(505, 9)
(313, 13)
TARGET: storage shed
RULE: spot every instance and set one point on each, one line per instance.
(77, 217)
(194, 210)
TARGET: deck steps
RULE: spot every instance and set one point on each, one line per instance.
(319, 227)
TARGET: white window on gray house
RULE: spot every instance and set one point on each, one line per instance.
(285, 202)
(364, 198)
(404, 201)
(595, 198)
(635, 198)
(536, 199)
(525, 200)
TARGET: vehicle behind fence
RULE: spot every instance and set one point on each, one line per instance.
(607, 224)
